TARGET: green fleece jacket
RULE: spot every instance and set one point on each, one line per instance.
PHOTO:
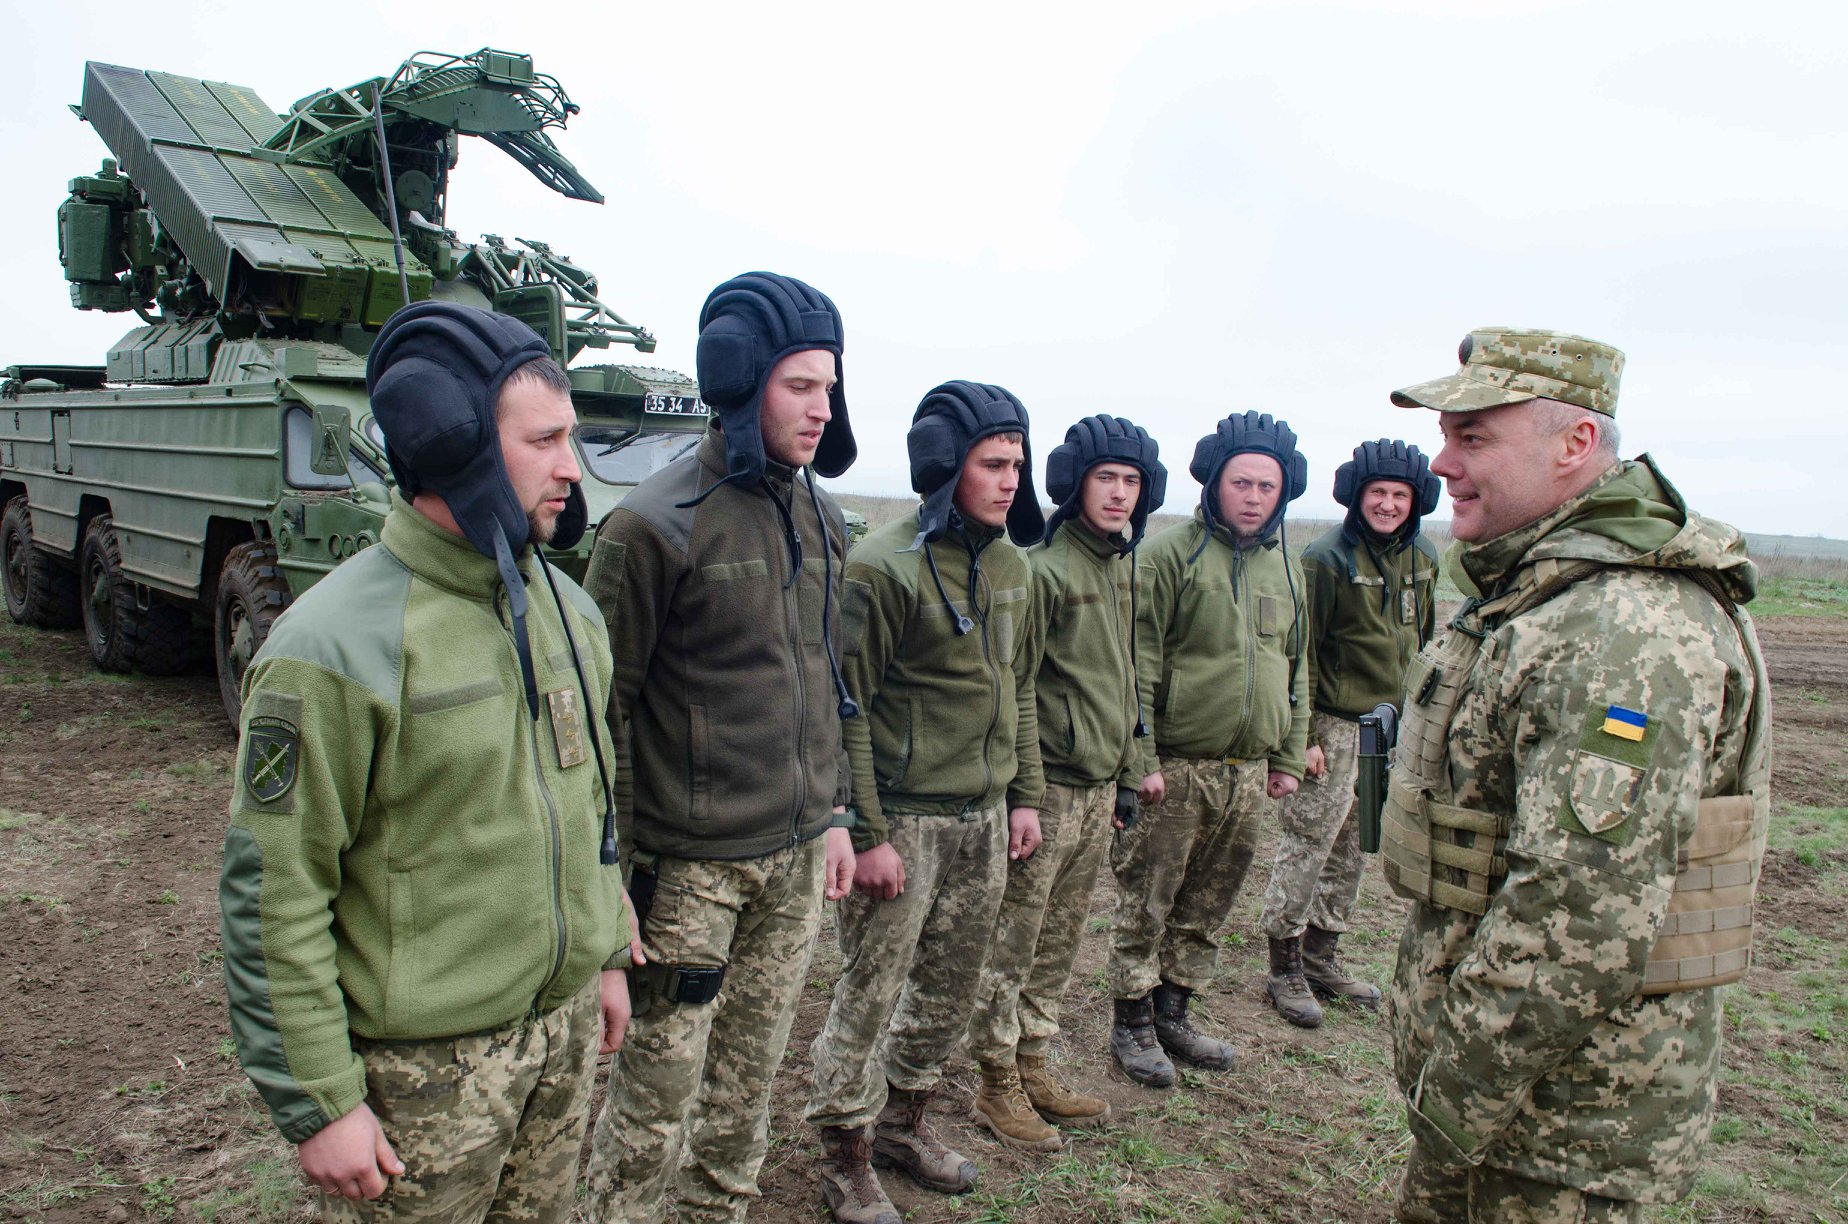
(411, 855)
(1372, 607)
(722, 688)
(1219, 638)
(948, 722)
(1085, 679)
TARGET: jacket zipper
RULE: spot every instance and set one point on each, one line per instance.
(976, 578)
(555, 834)
(1251, 649)
(792, 611)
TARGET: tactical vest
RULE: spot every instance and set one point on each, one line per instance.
(1441, 854)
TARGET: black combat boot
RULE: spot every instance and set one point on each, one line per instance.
(1180, 1038)
(1132, 1041)
(1322, 968)
(1289, 991)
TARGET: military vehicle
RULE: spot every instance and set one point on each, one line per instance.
(176, 498)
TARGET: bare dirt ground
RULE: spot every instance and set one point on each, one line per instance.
(120, 1098)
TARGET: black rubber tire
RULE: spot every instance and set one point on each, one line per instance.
(40, 590)
(106, 598)
(252, 593)
(165, 643)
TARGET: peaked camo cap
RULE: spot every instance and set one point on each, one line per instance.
(1511, 365)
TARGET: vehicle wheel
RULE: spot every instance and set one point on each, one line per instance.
(252, 593)
(39, 591)
(106, 597)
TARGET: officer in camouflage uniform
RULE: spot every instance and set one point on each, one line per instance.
(1578, 807)
(413, 906)
(1372, 604)
(724, 569)
(1220, 637)
(1107, 479)
(947, 778)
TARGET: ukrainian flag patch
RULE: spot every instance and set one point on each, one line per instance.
(1626, 724)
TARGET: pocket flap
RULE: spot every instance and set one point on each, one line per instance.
(1720, 824)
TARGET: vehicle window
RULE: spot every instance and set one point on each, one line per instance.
(298, 452)
(617, 455)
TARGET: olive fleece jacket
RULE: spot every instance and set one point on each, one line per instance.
(723, 696)
(1372, 607)
(412, 855)
(949, 724)
(1217, 642)
(1085, 678)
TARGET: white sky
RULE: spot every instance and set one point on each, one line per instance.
(1169, 211)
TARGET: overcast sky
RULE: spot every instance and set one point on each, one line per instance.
(1169, 211)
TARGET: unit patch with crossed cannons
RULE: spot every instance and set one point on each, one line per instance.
(274, 749)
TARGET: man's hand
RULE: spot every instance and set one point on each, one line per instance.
(635, 944)
(1281, 785)
(613, 998)
(350, 1156)
(1154, 788)
(1023, 832)
(879, 872)
(837, 875)
(1317, 766)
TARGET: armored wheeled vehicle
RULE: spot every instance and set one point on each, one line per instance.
(174, 499)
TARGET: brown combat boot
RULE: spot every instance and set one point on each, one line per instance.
(1323, 971)
(1180, 1038)
(1003, 1107)
(1054, 1101)
(1289, 991)
(903, 1140)
(848, 1183)
(1133, 1044)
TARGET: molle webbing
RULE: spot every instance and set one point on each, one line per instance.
(1419, 836)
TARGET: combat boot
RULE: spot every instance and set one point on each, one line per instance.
(903, 1140)
(848, 1183)
(1289, 991)
(1003, 1107)
(1054, 1101)
(1180, 1038)
(1323, 970)
(1132, 1041)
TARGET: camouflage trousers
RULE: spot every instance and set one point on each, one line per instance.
(1316, 873)
(1042, 917)
(688, 1112)
(488, 1125)
(910, 966)
(1436, 1191)
(1178, 872)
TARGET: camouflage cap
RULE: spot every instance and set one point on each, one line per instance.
(1511, 365)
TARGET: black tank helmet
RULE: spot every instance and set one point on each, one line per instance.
(1388, 459)
(747, 325)
(949, 421)
(1251, 433)
(1105, 439)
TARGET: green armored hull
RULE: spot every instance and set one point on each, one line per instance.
(175, 499)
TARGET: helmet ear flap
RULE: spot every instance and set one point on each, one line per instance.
(726, 361)
(1344, 484)
(1299, 472)
(1061, 473)
(1428, 488)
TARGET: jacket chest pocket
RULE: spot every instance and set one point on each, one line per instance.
(1007, 609)
(811, 592)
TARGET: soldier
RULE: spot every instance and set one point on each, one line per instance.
(724, 571)
(947, 778)
(414, 915)
(1577, 810)
(1220, 640)
(1107, 480)
(1371, 586)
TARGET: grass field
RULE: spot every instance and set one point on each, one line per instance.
(120, 1098)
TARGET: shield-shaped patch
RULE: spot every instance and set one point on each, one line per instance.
(272, 751)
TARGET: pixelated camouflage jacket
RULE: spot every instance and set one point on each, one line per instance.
(1520, 1038)
(409, 855)
(1084, 680)
(1218, 640)
(948, 720)
(723, 703)
(1370, 610)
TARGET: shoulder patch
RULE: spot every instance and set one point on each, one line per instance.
(272, 756)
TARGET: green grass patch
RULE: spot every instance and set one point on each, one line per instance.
(1818, 836)
(269, 1193)
(9, 819)
(1801, 596)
